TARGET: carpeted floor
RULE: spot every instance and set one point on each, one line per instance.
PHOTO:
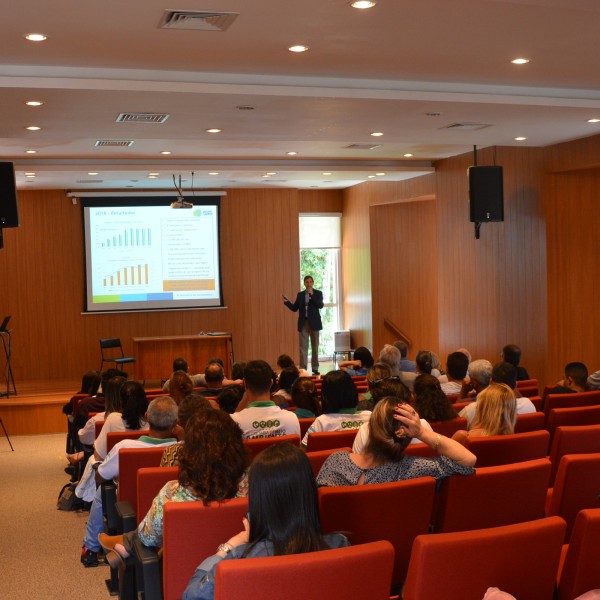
(40, 545)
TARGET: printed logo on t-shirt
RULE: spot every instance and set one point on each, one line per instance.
(266, 424)
(351, 424)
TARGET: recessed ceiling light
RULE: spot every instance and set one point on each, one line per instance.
(265, 176)
(326, 173)
(377, 133)
(92, 173)
(33, 128)
(30, 151)
(34, 103)
(291, 153)
(152, 176)
(519, 61)
(213, 130)
(371, 176)
(298, 48)
(594, 120)
(271, 173)
(362, 4)
(36, 37)
(29, 174)
(520, 139)
(380, 174)
(213, 173)
(408, 155)
(165, 152)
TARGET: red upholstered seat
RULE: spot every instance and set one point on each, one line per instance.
(494, 496)
(360, 572)
(318, 457)
(578, 415)
(191, 533)
(397, 512)
(130, 461)
(521, 559)
(576, 487)
(580, 570)
(581, 439)
(305, 423)
(530, 422)
(113, 437)
(450, 426)
(326, 440)
(505, 449)
(150, 481)
(571, 400)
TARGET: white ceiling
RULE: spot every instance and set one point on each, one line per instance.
(383, 69)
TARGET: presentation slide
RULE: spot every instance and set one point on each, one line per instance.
(141, 254)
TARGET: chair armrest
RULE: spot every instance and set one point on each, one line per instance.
(126, 516)
(109, 499)
(148, 570)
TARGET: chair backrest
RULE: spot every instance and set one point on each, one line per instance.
(576, 487)
(98, 428)
(494, 496)
(505, 449)
(530, 422)
(580, 572)
(537, 402)
(318, 457)
(575, 439)
(521, 559)
(305, 423)
(107, 348)
(367, 513)
(527, 384)
(130, 460)
(150, 481)
(191, 532)
(112, 437)
(419, 449)
(326, 440)
(458, 406)
(578, 415)
(450, 426)
(332, 574)
(257, 445)
(571, 400)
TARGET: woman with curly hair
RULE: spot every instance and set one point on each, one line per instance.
(180, 386)
(430, 401)
(212, 463)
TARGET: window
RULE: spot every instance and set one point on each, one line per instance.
(320, 256)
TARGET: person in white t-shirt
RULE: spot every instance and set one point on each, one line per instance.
(339, 400)
(257, 415)
(457, 365)
(502, 372)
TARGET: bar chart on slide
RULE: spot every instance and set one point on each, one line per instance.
(128, 238)
(127, 277)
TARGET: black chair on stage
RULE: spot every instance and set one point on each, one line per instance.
(112, 352)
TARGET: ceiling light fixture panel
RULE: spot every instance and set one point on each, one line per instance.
(199, 20)
(142, 118)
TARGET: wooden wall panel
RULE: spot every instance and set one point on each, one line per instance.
(492, 291)
(573, 225)
(405, 273)
(320, 201)
(41, 270)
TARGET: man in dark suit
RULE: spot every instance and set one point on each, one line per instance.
(308, 303)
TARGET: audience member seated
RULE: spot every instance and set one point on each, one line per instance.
(406, 366)
(305, 398)
(284, 361)
(199, 380)
(214, 376)
(390, 356)
(480, 374)
(94, 403)
(457, 365)
(495, 414)
(391, 429)
(283, 395)
(131, 418)
(385, 388)
(90, 382)
(425, 363)
(189, 406)
(593, 381)
(283, 517)
(360, 364)
(230, 397)
(378, 372)
(339, 398)
(180, 386)
(112, 404)
(430, 401)
(161, 417)
(444, 377)
(213, 463)
(511, 353)
(575, 380)
(502, 372)
(237, 371)
(257, 415)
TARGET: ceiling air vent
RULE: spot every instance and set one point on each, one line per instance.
(90, 181)
(467, 126)
(114, 143)
(197, 19)
(363, 146)
(142, 118)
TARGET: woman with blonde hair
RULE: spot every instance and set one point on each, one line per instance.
(495, 413)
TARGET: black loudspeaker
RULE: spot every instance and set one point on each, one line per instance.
(486, 194)
(9, 211)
